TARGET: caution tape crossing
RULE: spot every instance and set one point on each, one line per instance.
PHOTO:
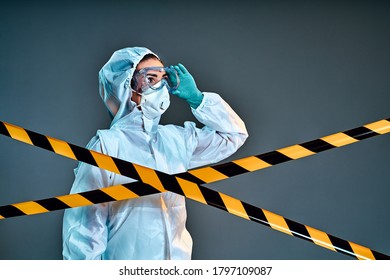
(188, 183)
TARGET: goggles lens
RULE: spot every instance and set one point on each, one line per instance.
(155, 78)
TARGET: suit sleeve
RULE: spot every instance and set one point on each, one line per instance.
(84, 228)
(223, 133)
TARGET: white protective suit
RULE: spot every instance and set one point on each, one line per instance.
(149, 227)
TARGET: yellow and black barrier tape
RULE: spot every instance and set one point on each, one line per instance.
(252, 163)
(191, 189)
(205, 196)
(202, 175)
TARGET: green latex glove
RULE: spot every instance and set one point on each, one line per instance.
(187, 89)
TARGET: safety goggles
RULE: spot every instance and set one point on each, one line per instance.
(155, 78)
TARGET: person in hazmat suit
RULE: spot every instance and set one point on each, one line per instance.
(135, 87)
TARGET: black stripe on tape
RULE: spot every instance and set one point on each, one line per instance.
(317, 146)
(127, 169)
(255, 214)
(8, 211)
(212, 198)
(189, 177)
(4, 130)
(380, 256)
(170, 183)
(140, 188)
(97, 196)
(230, 169)
(360, 133)
(341, 245)
(52, 204)
(39, 140)
(298, 230)
(83, 155)
(274, 157)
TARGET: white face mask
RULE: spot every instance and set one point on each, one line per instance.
(154, 102)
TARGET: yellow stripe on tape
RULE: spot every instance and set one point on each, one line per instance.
(362, 253)
(320, 238)
(208, 174)
(339, 139)
(61, 147)
(191, 190)
(30, 207)
(252, 163)
(296, 152)
(234, 206)
(149, 176)
(277, 222)
(380, 127)
(119, 192)
(74, 200)
(105, 162)
(18, 133)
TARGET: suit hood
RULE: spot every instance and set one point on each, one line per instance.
(114, 80)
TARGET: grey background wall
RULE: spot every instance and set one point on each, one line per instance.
(293, 70)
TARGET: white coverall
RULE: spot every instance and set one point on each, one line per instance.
(149, 227)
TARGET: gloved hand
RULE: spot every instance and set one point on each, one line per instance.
(187, 89)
